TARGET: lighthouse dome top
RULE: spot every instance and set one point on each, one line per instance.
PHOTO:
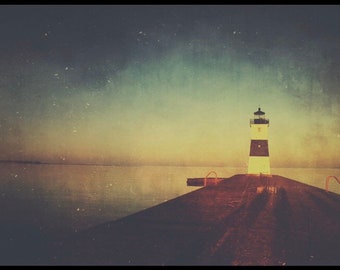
(259, 112)
(259, 118)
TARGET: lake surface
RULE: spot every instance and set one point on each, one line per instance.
(71, 198)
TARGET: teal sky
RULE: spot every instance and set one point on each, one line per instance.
(169, 84)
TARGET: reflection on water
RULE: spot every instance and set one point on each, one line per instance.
(75, 197)
(65, 198)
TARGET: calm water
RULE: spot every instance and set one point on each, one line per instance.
(70, 198)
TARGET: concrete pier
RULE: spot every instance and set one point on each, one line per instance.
(241, 220)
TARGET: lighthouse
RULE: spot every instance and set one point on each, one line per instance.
(259, 151)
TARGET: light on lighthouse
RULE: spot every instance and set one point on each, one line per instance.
(259, 151)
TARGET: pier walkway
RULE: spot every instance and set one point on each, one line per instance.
(242, 220)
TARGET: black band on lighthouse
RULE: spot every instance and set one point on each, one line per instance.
(259, 148)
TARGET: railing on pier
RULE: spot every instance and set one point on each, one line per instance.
(205, 179)
(329, 178)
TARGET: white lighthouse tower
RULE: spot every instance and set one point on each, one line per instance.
(259, 151)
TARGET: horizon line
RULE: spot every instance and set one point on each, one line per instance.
(131, 164)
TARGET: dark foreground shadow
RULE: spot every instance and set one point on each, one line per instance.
(22, 244)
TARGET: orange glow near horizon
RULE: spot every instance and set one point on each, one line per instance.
(203, 119)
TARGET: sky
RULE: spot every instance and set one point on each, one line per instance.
(169, 84)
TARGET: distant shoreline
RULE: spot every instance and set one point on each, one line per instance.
(59, 163)
(145, 165)
(112, 164)
(22, 161)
